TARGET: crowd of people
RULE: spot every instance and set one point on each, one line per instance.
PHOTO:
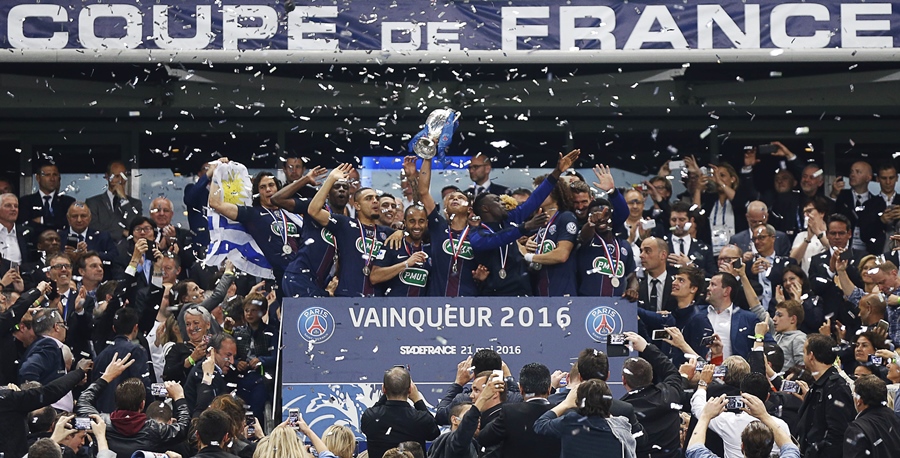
(766, 316)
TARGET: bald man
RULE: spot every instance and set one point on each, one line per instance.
(168, 235)
(757, 215)
(851, 202)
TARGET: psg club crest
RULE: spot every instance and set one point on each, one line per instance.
(601, 322)
(315, 325)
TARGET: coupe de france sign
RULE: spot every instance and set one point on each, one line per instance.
(428, 31)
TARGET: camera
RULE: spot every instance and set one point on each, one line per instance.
(158, 390)
(82, 423)
(790, 386)
(734, 404)
(660, 334)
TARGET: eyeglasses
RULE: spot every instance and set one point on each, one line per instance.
(759, 237)
(341, 186)
(634, 201)
(143, 229)
(61, 266)
(62, 324)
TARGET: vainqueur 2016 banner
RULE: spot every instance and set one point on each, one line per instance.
(383, 31)
(335, 351)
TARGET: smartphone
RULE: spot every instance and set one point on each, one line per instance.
(720, 371)
(72, 241)
(766, 149)
(737, 263)
(790, 386)
(158, 390)
(676, 165)
(82, 423)
(648, 224)
(660, 334)
(615, 339)
(883, 325)
(734, 404)
(615, 345)
(293, 417)
(700, 365)
(249, 419)
(151, 245)
(845, 256)
(565, 380)
(402, 366)
(206, 339)
(706, 341)
(874, 359)
(54, 291)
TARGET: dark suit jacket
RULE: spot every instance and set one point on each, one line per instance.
(105, 401)
(845, 205)
(618, 408)
(404, 423)
(104, 218)
(43, 362)
(782, 242)
(743, 324)
(653, 404)
(831, 298)
(494, 188)
(668, 301)
(32, 205)
(514, 430)
(872, 230)
(101, 242)
(775, 277)
(700, 253)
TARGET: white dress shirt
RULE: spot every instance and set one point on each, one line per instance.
(9, 244)
(662, 287)
(730, 425)
(721, 324)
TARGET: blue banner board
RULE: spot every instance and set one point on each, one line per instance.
(336, 350)
(474, 31)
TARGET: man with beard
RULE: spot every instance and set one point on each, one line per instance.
(309, 273)
(501, 228)
(359, 240)
(403, 271)
(388, 209)
(604, 261)
(453, 266)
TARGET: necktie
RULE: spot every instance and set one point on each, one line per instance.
(117, 207)
(654, 293)
(858, 204)
(47, 210)
(478, 190)
(681, 247)
(80, 237)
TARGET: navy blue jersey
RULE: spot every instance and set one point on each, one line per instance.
(356, 253)
(443, 282)
(265, 226)
(594, 272)
(315, 258)
(412, 281)
(557, 279)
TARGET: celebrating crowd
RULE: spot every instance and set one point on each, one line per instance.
(766, 316)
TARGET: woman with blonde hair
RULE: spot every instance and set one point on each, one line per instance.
(284, 442)
(723, 198)
(340, 441)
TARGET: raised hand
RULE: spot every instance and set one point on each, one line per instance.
(538, 221)
(316, 174)
(566, 162)
(117, 366)
(605, 181)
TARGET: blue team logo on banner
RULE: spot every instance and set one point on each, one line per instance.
(601, 322)
(315, 325)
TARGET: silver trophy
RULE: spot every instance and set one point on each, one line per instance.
(426, 146)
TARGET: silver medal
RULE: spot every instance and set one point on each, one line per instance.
(367, 270)
(287, 249)
(502, 273)
(615, 282)
(453, 269)
(536, 266)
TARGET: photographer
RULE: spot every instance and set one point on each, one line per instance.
(756, 438)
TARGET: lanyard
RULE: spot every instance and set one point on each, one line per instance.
(503, 254)
(283, 221)
(459, 244)
(716, 212)
(545, 230)
(362, 234)
(612, 267)
(410, 253)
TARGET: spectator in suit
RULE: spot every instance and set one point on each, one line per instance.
(212, 434)
(113, 210)
(881, 215)
(758, 214)
(766, 269)
(90, 269)
(392, 421)
(73, 304)
(513, 429)
(16, 333)
(46, 247)
(293, 167)
(654, 291)
(79, 219)
(13, 236)
(685, 250)
(822, 271)
(480, 173)
(46, 209)
(125, 324)
(735, 326)
(872, 433)
(211, 376)
(6, 186)
(886, 277)
(827, 407)
(168, 235)
(43, 361)
(653, 402)
(852, 202)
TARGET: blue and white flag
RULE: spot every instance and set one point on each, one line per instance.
(228, 239)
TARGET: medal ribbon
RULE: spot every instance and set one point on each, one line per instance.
(362, 235)
(503, 254)
(458, 247)
(283, 221)
(546, 229)
(612, 267)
